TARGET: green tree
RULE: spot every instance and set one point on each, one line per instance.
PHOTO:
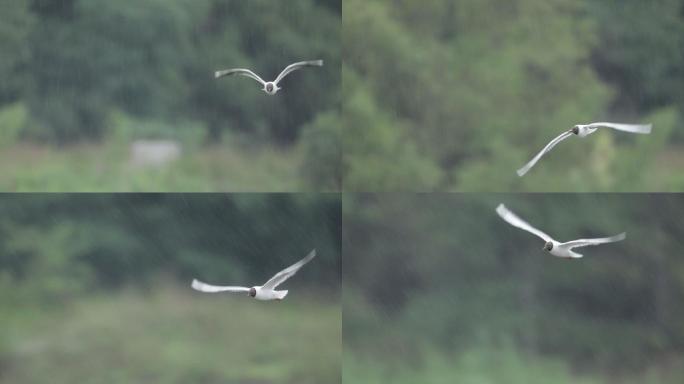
(15, 25)
(90, 57)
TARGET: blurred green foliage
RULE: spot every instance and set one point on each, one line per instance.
(433, 281)
(456, 95)
(113, 239)
(76, 65)
(12, 120)
(323, 152)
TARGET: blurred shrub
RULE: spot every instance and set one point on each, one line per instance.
(642, 56)
(378, 155)
(50, 261)
(322, 145)
(12, 123)
(16, 22)
(124, 128)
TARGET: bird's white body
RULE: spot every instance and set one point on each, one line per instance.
(554, 247)
(268, 294)
(264, 292)
(270, 87)
(584, 130)
(562, 250)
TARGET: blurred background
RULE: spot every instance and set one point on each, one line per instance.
(439, 289)
(120, 96)
(96, 289)
(456, 95)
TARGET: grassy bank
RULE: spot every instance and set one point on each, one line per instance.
(107, 167)
(173, 335)
(488, 365)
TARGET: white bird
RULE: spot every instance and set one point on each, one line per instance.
(270, 87)
(584, 130)
(264, 292)
(552, 246)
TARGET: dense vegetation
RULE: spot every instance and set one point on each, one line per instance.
(96, 289)
(439, 289)
(101, 72)
(456, 95)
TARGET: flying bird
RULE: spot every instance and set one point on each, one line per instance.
(584, 130)
(552, 246)
(264, 292)
(270, 87)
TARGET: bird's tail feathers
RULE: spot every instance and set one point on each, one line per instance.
(281, 294)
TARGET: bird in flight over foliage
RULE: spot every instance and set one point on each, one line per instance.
(584, 130)
(270, 87)
(552, 246)
(264, 292)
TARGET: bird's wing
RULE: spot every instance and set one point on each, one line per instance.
(601, 240)
(204, 287)
(239, 71)
(522, 171)
(286, 273)
(633, 128)
(515, 221)
(296, 66)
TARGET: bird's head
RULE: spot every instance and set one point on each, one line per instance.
(252, 292)
(548, 246)
(271, 88)
(575, 129)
